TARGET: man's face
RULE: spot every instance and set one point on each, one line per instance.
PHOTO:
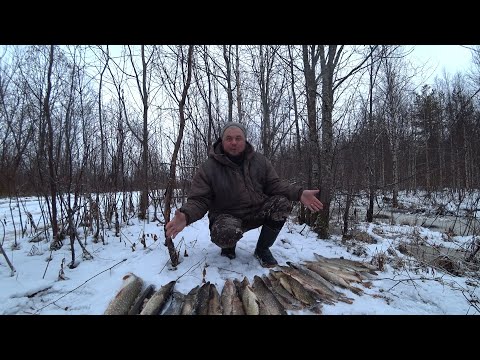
(233, 141)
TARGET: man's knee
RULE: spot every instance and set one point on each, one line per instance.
(226, 231)
(280, 208)
(284, 204)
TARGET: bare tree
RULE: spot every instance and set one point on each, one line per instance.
(51, 160)
(143, 90)
(73, 168)
(15, 114)
(395, 90)
(227, 57)
(272, 87)
(238, 85)
(311, 55)
(205, 88)
(185, 82)
(372, 136)
(106, 57)
(474, 74)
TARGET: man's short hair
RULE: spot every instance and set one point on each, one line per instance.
(236, 124)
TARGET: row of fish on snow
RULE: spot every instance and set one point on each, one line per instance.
(294, 287)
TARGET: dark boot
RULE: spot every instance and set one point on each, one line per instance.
(262, 252)
(228, 252)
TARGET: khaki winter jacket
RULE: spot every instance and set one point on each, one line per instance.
(221, 187)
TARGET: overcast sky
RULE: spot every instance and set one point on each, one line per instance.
(452, 58)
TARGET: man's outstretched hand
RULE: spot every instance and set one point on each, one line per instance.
(176, 225)
(309, 199)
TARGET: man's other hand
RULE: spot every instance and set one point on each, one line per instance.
(309, 199)
(176, 225)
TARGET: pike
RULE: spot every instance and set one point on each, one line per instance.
(312, 277)
(176, 305)
(203, 298)
(346, 272)
(190, 303)
(251, 304)
(158, 299)
(354, 273)
(141, 300)
(231, 303)
(126, 296)
(214, 307)
(294, 287)
(332, 277)
(322, 292)
(288, 301)
(348, 276)
(357, 265)
(268, 301)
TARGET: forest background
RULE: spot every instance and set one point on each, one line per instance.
(78, 122)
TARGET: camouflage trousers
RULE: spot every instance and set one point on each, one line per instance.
(226, 229)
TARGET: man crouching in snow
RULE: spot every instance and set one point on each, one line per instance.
(241, 191)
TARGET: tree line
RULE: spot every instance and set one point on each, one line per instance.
(80, 121)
